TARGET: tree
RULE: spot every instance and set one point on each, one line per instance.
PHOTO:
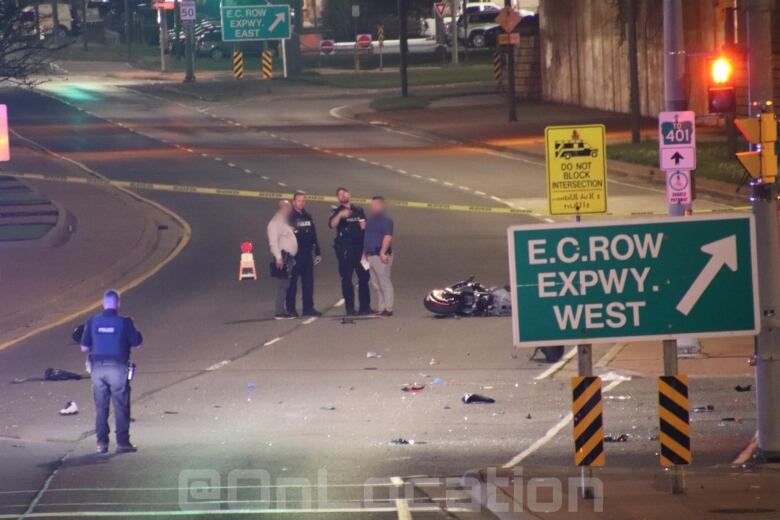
(22, 53)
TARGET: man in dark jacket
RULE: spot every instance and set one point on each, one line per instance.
(308, 256)
(108, 338)
(349, 221)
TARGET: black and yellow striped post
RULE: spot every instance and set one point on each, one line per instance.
(380, 36)
(268, 65)
(675, 434)
(238, 64)
(498, 67)
(588, 410)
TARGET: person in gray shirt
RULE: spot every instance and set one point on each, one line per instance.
(378, 251)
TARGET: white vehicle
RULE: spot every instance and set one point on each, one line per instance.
(477, 23)
(46, 20)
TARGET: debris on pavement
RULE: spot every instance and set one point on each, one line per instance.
(330, 408)
(170, 412)
(251, 386)
(57, 374)
(477, 399)
(71, 408)
(702, 409)
(614, 376)
(413, 388)
(746, 388)
(437, 381)
(731, 419)
(373, 355)
(400, 441)
(528, 416)
(433, 361)
(623, 437)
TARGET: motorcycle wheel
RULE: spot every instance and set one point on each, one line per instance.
(440, 306)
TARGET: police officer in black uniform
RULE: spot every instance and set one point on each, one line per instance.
(108, 338)
(308, 256)
(349, 221)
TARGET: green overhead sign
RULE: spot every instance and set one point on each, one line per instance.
(638, 279)
(245, 23)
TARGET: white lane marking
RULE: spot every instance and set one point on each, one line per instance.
(448, 184)
(247, 170)
(547, 437)
(231, 165)
(339, 303)
(549, 220)
(316, 148)
(402, 172)
(310, 320)
(557, 366)
(219, 159)
(264, 177)
(348, 156)
(416, 176)
(464, 188)
(480, 192)
(362, 159)
(374, 163)
(204, 155)
(281, 184)
(433, 179)
(277, 339)
(217, 366)
(496, 198)
(402, 505)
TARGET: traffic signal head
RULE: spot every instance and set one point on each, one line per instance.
(720, 71)
(762, 133)
(721, 97)
(5, 149)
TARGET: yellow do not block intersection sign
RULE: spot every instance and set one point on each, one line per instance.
(576, 169)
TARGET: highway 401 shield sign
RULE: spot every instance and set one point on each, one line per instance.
(641, 279)
(576, 169)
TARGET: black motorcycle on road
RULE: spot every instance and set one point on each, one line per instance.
(472, 299)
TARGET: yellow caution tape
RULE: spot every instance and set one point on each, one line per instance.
(275, 195)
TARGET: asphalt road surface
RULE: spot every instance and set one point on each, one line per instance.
(238, 414)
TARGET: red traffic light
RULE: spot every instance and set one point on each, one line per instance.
(721, 70)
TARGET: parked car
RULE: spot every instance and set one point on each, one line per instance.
(67, 24)
(209, 43)
(476, 23)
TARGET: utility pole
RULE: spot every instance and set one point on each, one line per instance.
(403, 31)
(454, 31)
(55, 22)
(84, 24)
(764, 201)
(128, 36)
(509, 49)
(633, 71)
(674, 100)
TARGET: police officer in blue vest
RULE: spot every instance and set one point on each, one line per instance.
(108, 338)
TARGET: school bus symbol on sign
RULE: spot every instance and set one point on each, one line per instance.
(576, 169)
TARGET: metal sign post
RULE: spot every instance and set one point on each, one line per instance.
(283, 45)
(585, 369)
(162, 21)
(188, 14)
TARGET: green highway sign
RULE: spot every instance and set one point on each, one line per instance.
(245, 23)
(640, 279)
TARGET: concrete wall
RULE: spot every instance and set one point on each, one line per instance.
(584, 53)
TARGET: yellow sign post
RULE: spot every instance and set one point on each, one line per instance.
(576, 169)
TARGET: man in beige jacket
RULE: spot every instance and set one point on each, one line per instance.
(284, 246)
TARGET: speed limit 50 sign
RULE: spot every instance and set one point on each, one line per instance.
(188, 11)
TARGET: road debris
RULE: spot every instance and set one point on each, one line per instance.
(702, 409)
(437, 381)
(433, 361)
(413, 388)
(251, 386)
(57, 374)
(373, 355)
(623, 437)
(528, 416)
(400, 441)
(746, 388)
(71, 408)
(328, 408)
(731, 419)
(477, 399)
